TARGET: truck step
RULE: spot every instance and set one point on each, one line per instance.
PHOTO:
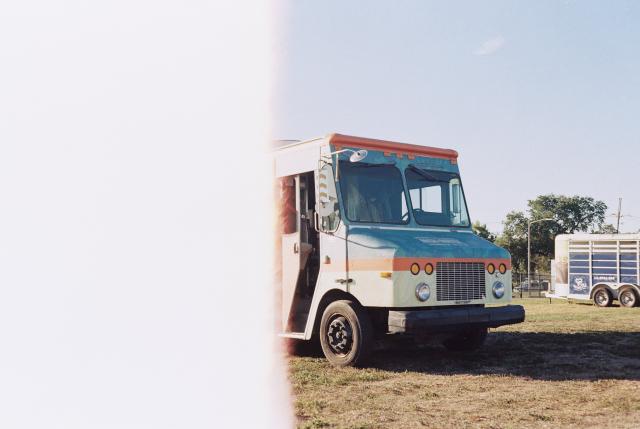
(295, 335)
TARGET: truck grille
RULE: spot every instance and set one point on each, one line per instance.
(460, 281)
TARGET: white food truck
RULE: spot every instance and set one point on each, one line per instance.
(374, 240)
(597, 267)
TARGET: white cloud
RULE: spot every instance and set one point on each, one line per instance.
(490, 46)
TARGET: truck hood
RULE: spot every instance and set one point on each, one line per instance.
(369, 242)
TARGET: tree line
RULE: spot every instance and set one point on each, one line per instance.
(569, 215)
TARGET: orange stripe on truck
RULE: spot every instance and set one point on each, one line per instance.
(389, 147)
(404, 264)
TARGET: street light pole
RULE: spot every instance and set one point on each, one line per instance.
(529, 222)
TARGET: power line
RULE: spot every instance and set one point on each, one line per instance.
(619, 216)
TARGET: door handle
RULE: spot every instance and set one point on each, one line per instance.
(296, 248)
(343, 281)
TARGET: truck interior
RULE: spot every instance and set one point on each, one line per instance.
(296, 207)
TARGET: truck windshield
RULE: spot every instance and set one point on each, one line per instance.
(436, 197)
(373, 193)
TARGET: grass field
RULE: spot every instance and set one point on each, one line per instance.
(568, 365)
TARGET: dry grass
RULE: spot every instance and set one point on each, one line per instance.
(568, 365)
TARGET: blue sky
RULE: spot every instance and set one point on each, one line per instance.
(538, 97)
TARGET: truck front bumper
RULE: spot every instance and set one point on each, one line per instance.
(453, 319)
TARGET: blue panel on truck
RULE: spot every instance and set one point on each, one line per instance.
(364, 242)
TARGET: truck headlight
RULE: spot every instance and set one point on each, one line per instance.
(498, 290)
(423, 291)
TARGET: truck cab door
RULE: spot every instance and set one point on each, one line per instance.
(333, 232)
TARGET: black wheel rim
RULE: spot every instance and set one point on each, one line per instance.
(340, 335)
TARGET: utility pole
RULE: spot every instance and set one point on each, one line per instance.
(619, 214)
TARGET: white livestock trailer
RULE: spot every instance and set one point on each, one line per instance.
(598, 267)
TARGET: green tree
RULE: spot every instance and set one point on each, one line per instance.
(569, 214)
(607, 228)
(574, 214)
(514, 239)
(481, 230)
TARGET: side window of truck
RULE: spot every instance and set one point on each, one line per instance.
(457, 207)
(427, 199)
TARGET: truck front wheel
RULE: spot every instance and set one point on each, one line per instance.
(346, 333)
(466, 341)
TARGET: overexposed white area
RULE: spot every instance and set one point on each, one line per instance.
(135, 216)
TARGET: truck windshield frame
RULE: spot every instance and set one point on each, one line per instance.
(373, 193)
(430, 196)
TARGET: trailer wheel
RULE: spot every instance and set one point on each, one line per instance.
(628, 298)
(602, 297)
(466, 341)
(346, 334)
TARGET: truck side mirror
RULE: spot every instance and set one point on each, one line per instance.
(327, 205)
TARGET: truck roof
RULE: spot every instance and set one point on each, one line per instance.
(386, 146)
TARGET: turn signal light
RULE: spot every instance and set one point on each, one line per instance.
(415, 269)
(502, 268)
(428, 269)
(491, 268)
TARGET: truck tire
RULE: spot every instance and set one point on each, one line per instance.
(466, 341)
(602, 297)
(628, 298)
(346, 333)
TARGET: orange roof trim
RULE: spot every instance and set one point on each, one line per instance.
(388, 147)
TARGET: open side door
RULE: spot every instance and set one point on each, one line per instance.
(291, 246)
(291, 266)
